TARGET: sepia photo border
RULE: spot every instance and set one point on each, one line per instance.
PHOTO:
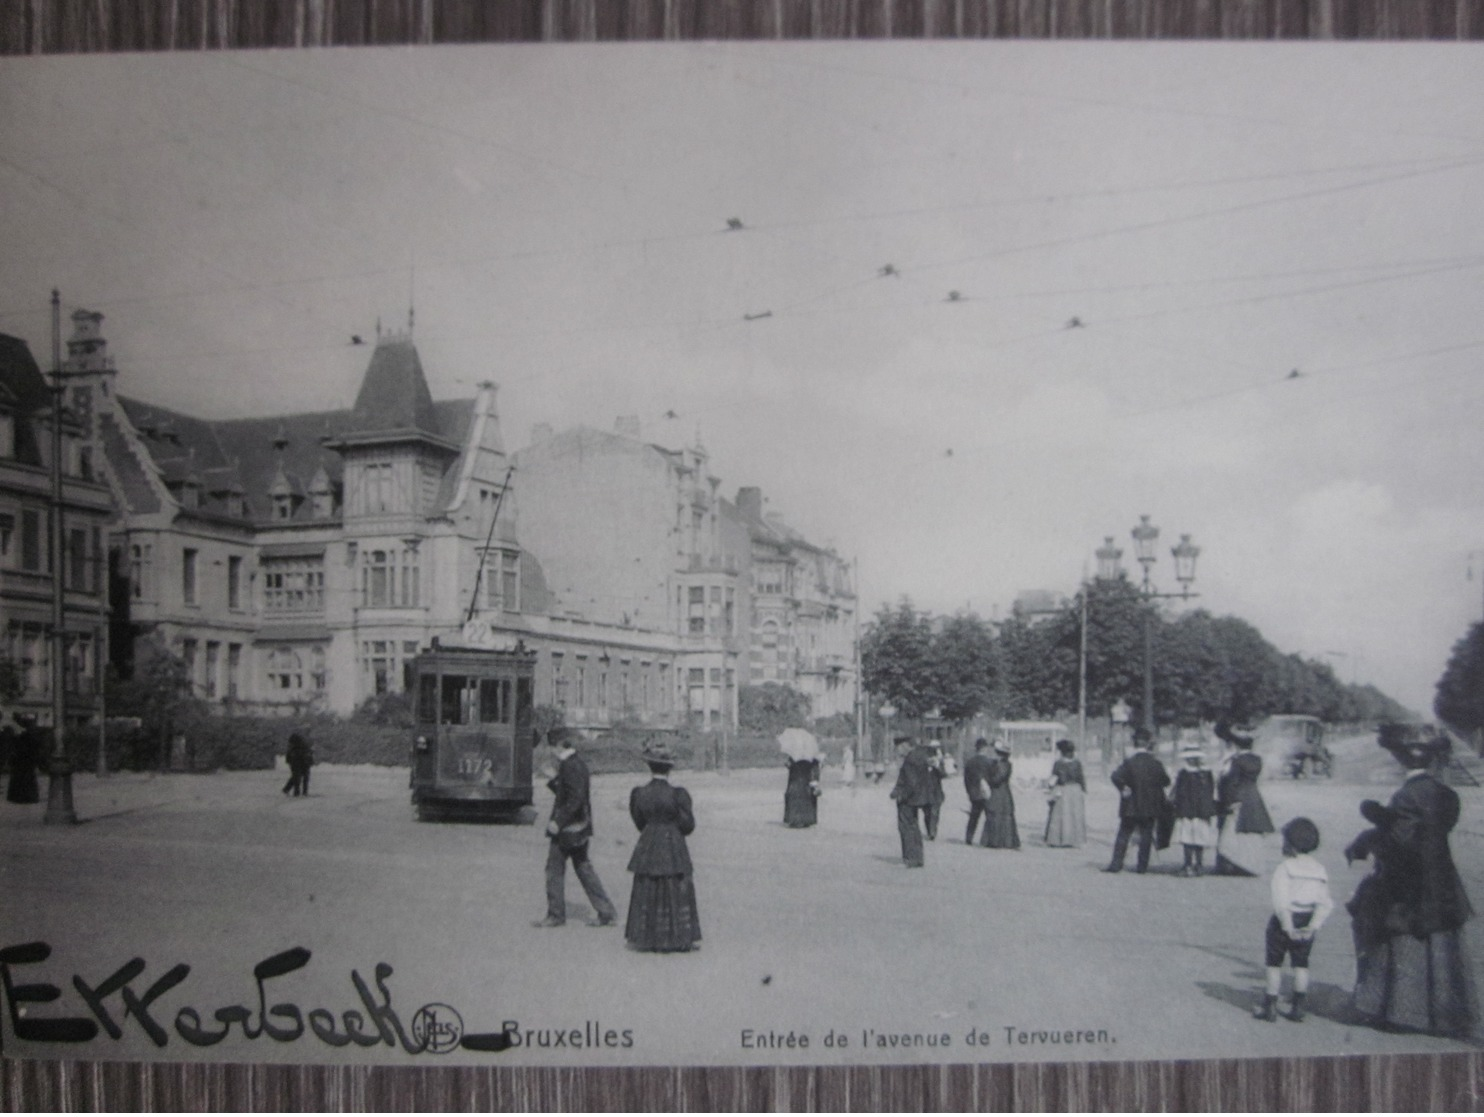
(1406, 1082)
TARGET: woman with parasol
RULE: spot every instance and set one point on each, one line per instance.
(801, 796)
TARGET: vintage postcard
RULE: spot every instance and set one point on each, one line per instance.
(738, 553)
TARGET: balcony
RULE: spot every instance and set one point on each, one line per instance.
(722, 564)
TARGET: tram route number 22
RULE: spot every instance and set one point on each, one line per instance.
(472, 764)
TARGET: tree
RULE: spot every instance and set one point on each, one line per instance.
(771, 708)
(159, 692)
(1459, 699)
(896, 659)
(961, 662)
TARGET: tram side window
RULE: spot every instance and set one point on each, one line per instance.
(458, 700)
(494, 700)
(427, 698)
(524, 701)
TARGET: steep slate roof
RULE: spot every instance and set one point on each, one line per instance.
(20, 373)
(247, 455)
(139, 495)
(394, 392)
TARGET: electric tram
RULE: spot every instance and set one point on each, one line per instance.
(471, 755)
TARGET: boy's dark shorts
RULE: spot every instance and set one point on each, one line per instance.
(1279, 944)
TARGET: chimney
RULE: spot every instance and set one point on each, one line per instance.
(750, 501)
(628, 426)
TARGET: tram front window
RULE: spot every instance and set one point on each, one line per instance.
(459, 695)
(494, 700)
(427, 699)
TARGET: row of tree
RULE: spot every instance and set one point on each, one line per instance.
(1459, 700)
(1204, 667)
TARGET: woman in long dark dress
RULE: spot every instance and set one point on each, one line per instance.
(1066, 821)
(662, 906)
(25, 757)
(1245, 822)
(1000, 831)
(801, 797)
(1412, 971)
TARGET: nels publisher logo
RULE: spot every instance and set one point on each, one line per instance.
(437, 1029)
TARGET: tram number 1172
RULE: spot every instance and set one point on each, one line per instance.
(472, 764)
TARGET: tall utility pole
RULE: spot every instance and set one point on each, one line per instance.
(59, 767)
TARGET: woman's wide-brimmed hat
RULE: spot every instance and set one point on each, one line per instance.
(1002, 746)
(1239, 735)
(658, 756)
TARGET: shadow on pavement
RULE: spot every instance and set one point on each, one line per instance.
(1326, 1001)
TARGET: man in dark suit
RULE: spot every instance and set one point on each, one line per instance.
(1141, 781)
(913, 793)
(570, 828)
(976, 783)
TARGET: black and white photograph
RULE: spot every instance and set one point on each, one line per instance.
(742, 553)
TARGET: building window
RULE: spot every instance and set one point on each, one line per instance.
(376, 489)
(289, 676)
(188, 575)
(7, 539)
(213, 658)
(234, 582)
(696, 622)
(79, 663)
(383, 671)
(77, 559)
(283, 506)
(729, 621)
(234, 669)
(558, 679)
(140, 559)
(29, 647)
(31, 540)
(98, 561)
(501, 580)
(390, 578)
(285, 670)
(7, 436)
(294, 585)
(85, 462)
(188, 657)
(322, 504)
(581, 681)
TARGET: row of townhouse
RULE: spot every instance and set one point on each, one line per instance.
(302, 560)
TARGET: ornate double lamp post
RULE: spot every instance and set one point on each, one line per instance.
(1145, 536)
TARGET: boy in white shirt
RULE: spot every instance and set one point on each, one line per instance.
(1301, 904)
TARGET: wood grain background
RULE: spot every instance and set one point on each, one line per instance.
(1434, 1083)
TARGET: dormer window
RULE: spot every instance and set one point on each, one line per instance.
(190, 495)
(283, 506)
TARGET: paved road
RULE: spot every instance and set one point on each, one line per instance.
(806, 932)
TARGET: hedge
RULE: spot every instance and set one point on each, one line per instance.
(253, 743)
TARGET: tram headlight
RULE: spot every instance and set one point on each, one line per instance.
(422, 744)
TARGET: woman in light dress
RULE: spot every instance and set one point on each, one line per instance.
(1066, 822)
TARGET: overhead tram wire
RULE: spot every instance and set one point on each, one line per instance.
(695, 234)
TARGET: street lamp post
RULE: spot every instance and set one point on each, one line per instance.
(1145, 536)
(59, 807)
(887, 712)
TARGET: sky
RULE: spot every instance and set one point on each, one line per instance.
(988, 303)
